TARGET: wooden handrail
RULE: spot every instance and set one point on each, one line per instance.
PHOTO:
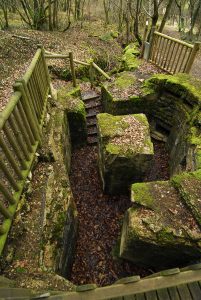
(173, 39)
(20, 134)
(172, 55)
(142, 286)
(51, 55)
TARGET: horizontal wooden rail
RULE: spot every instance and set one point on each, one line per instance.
(20, 134)
(116, 291)
(50, 55)
(172, 55)
(173, 39)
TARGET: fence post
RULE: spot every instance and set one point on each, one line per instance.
(39, 46)
(91, 74)
(72, 68)
(192, 57)
(151, 40)
(144, 39)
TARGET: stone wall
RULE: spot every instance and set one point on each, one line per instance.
(172, 105)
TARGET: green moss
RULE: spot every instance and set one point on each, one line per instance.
(124, 80)
(182, 85)
(198, 157)
(108, 36)
(111, 126)
(165, 236)
(129, 59)
(189, 187)
(66, 93)
(57, 232)
(195, 136)
(140, 194)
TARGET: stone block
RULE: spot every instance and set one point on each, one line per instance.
(159, 231)
(120, 97)
(125, 150)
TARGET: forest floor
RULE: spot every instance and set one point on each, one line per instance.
(16, 52)
(18, 46)
(101, 217)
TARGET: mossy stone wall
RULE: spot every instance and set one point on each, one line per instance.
(172, 103)
(123, 159)
(76, 114)
(162, 229)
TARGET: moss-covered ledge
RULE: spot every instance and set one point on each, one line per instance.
(177, 109)
(71, 102)
(120, 96)
(160, 230)
(130, 60)
(125, 150)
(183, 85)
(46, 219)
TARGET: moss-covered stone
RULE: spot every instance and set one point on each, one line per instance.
(130, 61)
(76, 114)
(125, 150)
(109, 36)
(116, 99)
(189, 187)
(158, 230)
(182, 85)
(50, 215)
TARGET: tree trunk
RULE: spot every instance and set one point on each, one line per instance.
(193, 19)
(5, 14)
(106, 9)
(120, 16)
(50, 15)
(166, 15)
(136, 22)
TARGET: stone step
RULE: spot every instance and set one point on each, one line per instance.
(93, 104)
(96, 110)
(91, 115)
(159, 136)
(89, 95)
(92, 131)
(92, 140)
(91, 122)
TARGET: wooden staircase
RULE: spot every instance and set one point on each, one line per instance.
(93, 107)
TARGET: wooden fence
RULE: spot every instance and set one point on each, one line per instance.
(72, 61)
(20, 134)
(172, 55)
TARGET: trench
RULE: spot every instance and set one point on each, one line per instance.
(100, 219)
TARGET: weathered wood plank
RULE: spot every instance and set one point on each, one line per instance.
(140, 297)
(152, 295)
(195, 290)
(184, 292)
(163, 294)
(173, 292)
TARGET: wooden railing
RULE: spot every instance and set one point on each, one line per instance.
(20, 134)
(172, 55)
(69, 58)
